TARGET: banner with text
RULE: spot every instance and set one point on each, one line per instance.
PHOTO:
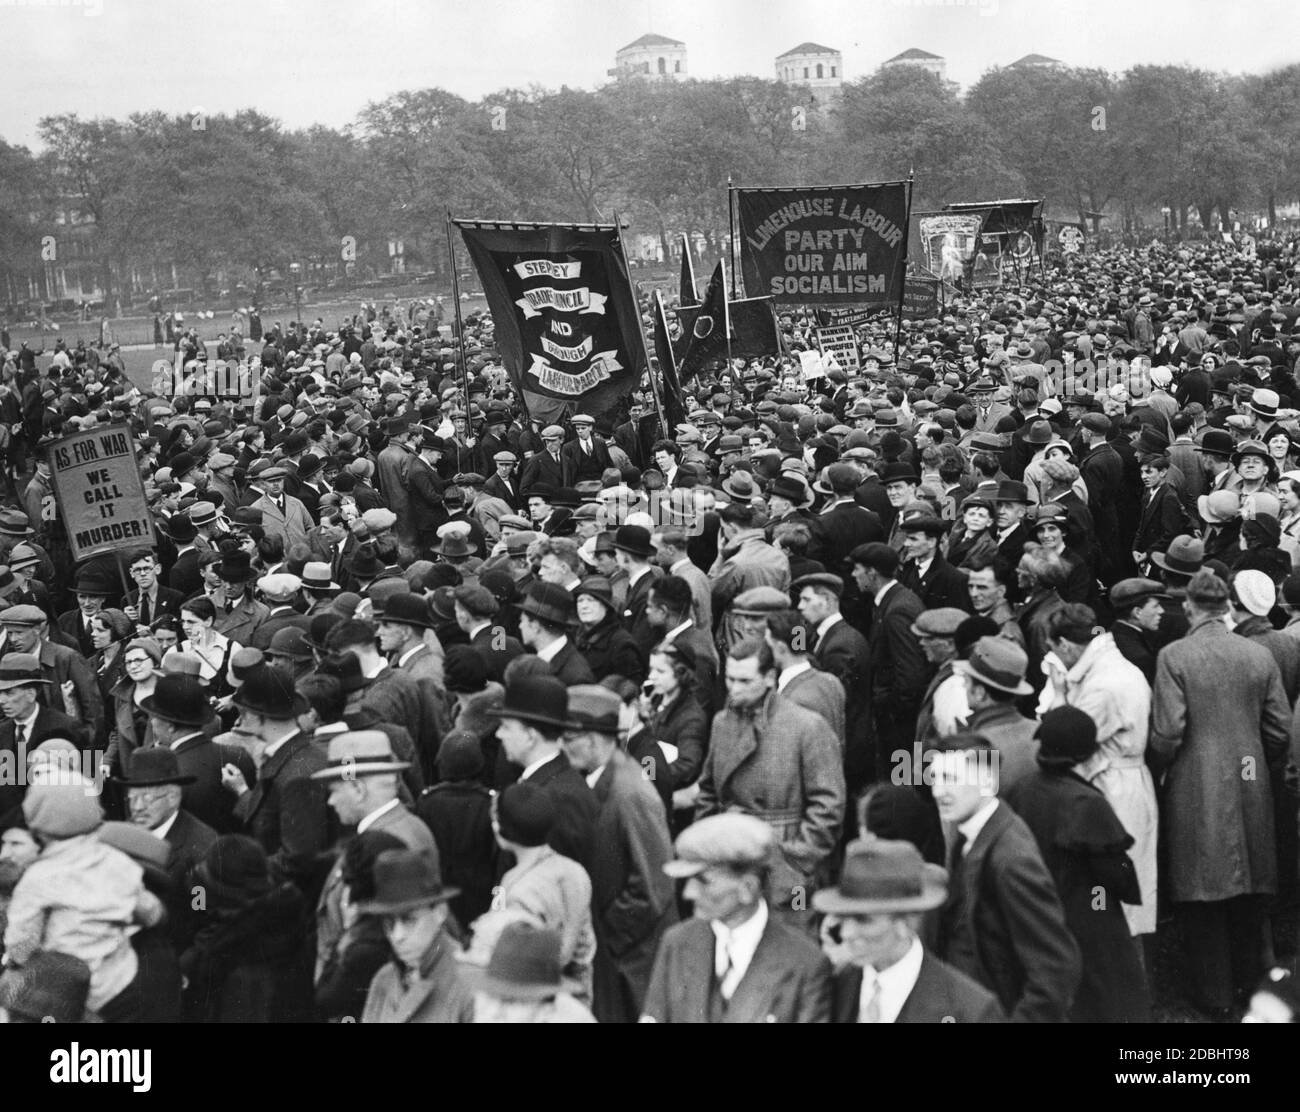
(566, 320)
(99, 491)
(835, 245)
(841, 342)
(921, 298)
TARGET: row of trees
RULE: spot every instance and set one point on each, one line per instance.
(235, 199)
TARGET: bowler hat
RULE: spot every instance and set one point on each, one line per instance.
(180, 529)
(898, 473)
(881, 876)
(791, 489)
(235, 567)
(923, 521)
(549, 602)
(405, 608)
(157, 764)
(1011, 491)
(634, 539)
(178, 698)
(539, 698)
(1216, 442)
(268, 691)
(1039, 432)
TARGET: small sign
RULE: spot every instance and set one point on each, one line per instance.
(842, 343)
(99, 491)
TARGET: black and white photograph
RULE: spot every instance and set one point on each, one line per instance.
(665, 511)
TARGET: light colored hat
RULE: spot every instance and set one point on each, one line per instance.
(360, 753)
(1255, 591)
(735, 840)
(281, 586)
(379, 519)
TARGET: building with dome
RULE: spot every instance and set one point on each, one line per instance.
(821, 68)
(654, 56)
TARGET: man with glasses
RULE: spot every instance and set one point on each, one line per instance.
(149, 600)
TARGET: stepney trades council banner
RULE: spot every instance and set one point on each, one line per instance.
(566, 319)
(99, 491)
(830, 245)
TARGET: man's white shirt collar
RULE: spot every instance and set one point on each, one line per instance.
(553, 649)
(896, 983)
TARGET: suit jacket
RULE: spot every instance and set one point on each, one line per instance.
(788, 979)
(1162, 519)
(706, 665)
(49, 723)
(77, 631)
(285, 809)
(634, 618)
(840, 529)
(941, 585)
(511, 495)
(632, 900)
(541, 468)
(190, 841)
(577, 466)
(207, 799)
(497, 648)
(184, 577)
(425, 486)
(60, 664)
(167, 600)
(281, 617)
(292, 524)
(899, 672)
(941, 995)
(1004, 926)
(570, 666)
(576, 807)
(242, 623)
(845, 654)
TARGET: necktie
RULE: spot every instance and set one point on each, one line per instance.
(279, 503)
(144, 609)
(955, 859)
(869, 1008)
(725, 989)
(586, 448)
(20, 735)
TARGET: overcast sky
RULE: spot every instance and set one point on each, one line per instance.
(321, 61)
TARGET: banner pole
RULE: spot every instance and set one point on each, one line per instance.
(726, 313)
(902, 288)
(460, 326)
(731, 234)
(645, 351)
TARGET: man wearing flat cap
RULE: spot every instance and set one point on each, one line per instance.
(586, 456)
(25, 632)
(280, 592)
(875, 914)
(735, 961)
(631, 895)
(544, 467)
(283, 515)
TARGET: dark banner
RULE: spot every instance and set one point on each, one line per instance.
(754, 331)
(834, 245)
(921, 298)
(566, 319)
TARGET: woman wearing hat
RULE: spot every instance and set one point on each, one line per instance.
(1282, 449)
(247, 963)
(213, 649)
(609, 649)
(1084, 846)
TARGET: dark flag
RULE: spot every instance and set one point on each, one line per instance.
(566, 317)
(674, 408)
(689, 294)
(754, 330)
(710, 330)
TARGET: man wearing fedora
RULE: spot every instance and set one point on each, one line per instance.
(92, 593)
(531, 722)
(633, 552)
(180, 718)
(242, 615)
(426, 487)
(402, 622)
(154, 786)
(285, 810)
(183, 573)
(424, 983)
(25, 632)
(546, 616)
(925, 572)
(735, 961)
(361, 775)
(885, 890)
(994, 672)
(26, 724)
(1002, 924)
(798, 678)
(632, 898)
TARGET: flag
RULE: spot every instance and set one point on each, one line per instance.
(708, 336)
(674, 408)
(689, 294)
(754, 330)
(566, 317)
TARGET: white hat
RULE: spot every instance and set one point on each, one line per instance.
(280, 586)
(1255, 592)
(1161, 376)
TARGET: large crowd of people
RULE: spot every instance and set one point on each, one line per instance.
(956, 685)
